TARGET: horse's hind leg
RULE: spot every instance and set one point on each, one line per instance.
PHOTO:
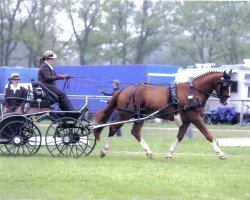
(112, 130)
(136, 132)
(181, 133)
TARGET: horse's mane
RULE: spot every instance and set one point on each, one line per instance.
(210, 72)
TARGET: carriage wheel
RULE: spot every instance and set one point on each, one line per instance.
(67, 137)
(92, 140)
(20, 138)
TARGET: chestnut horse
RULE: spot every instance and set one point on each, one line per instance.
(141, 100)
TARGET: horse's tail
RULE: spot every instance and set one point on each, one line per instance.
(103, 116)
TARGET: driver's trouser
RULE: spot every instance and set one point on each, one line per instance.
(64, 102)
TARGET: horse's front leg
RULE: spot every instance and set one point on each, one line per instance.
(203, 129)
(136, 132)
(146, 148)
(112, 130)
(107, 145)
(181, 133)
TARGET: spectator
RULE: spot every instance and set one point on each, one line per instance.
(115, 84)
(15, 90)
(115, 114)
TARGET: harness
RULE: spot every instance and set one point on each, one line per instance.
(192, 95)
(173, 101)
(137, 109)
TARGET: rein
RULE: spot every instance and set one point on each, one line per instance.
(68, 82)
(84, 78)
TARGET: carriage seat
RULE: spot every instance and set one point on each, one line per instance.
(43, 96)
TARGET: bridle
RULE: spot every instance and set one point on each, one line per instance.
(224, 84)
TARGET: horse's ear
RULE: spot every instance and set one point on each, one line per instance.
(227, 75)
(230, 72)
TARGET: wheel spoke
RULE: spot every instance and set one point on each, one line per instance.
(73, 136)
(19, 134)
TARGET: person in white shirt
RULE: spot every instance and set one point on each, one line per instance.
(15, 91)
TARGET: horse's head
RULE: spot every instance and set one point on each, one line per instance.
(223, 88)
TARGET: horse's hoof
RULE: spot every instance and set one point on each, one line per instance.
(169, 157)
(102, 154)
(150, 155)
(223, 157)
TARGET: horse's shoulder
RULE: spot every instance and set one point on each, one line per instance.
(183, 85)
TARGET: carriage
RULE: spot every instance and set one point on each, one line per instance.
(67, 132)
(70, 134)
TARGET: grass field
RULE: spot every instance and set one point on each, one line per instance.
(195, 172)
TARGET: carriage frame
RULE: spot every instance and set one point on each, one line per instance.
(68, 133)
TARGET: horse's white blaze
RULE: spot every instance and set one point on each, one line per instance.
(172, 148)
(145, 146)
(228, 99)
(217, 149)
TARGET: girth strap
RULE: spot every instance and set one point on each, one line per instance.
(194, 105)
(132, 96)
(173, 99)
(137, 109)
(173, 93)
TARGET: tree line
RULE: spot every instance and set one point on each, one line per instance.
(123, 32)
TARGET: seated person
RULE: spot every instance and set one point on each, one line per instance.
(48, 77)
(14, 90)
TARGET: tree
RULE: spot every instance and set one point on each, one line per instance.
(234, 32)
(42, 31)
(117, 32)
(124, 32)
(86, 13)
(116, 29)
(12, 24)
(210, 32)
(148, 24)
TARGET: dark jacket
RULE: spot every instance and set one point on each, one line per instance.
(13, 104)
(47, 76)
(110, 94)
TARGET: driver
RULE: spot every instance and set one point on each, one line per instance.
(48, 77)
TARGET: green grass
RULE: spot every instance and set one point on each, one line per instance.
(195, 172)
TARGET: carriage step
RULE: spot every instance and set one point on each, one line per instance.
(238, 142)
